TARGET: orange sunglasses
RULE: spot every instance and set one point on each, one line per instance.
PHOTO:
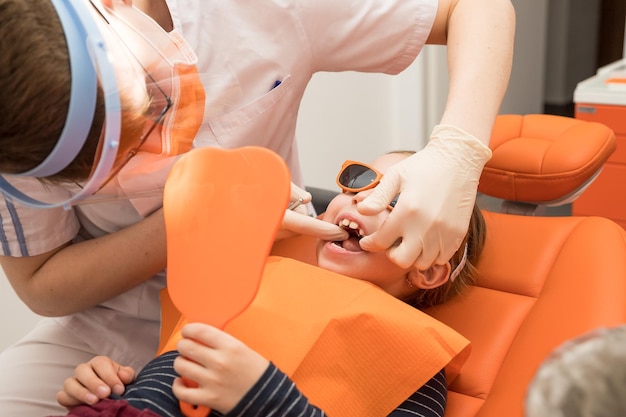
(355, 177)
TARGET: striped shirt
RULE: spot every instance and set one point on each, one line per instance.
(274, 394)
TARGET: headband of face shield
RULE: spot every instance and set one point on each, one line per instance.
(89, 30)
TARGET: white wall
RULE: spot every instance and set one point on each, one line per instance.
(526, 90)
(360, 116)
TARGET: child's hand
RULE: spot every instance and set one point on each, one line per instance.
(223, 367)
(94, 381)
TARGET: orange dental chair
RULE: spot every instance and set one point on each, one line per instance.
(543, 280)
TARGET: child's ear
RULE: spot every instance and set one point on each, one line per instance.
(433, 277)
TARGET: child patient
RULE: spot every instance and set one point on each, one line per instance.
(236, 380)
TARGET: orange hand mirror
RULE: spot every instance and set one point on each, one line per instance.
(222, 210)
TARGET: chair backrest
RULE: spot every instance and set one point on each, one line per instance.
(542, 280)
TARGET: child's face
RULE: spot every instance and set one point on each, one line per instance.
(347, 257)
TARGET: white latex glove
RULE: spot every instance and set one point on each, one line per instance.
(298, 221)
(437, 189)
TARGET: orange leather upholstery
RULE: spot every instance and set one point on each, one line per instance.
(543, 280)
(541, 158)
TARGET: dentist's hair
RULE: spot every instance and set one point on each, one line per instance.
(35, 83)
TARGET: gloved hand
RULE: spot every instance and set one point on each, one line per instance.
(437, 189)
(298, 221)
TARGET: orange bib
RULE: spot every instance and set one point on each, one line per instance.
(351, 348)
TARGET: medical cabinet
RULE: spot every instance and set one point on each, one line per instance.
(602, 98)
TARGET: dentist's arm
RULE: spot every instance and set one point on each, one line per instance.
(479, 35)
(74, 277)
(438, 185)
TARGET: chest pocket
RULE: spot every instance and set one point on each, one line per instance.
(268, 121)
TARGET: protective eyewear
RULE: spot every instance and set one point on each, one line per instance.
(355, 177)
(146, 48)
(91, 30)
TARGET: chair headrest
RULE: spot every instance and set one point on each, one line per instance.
(544, 159)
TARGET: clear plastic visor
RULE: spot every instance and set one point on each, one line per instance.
(132, 59)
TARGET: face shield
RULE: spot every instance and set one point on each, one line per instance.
(134, 62)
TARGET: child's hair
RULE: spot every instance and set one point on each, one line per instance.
(35, 83)
(475, 241)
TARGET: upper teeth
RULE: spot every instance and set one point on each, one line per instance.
(351, 225)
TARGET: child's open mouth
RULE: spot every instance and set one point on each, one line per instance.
(352, 243)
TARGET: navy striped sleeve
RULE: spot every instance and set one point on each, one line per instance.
(274, 394)
(152, 389)
(428, 401)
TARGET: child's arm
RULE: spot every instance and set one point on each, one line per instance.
(232, 377)
(78, 276)
(429, 401)
(224, 367)
(235, 380)
(94, 381)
